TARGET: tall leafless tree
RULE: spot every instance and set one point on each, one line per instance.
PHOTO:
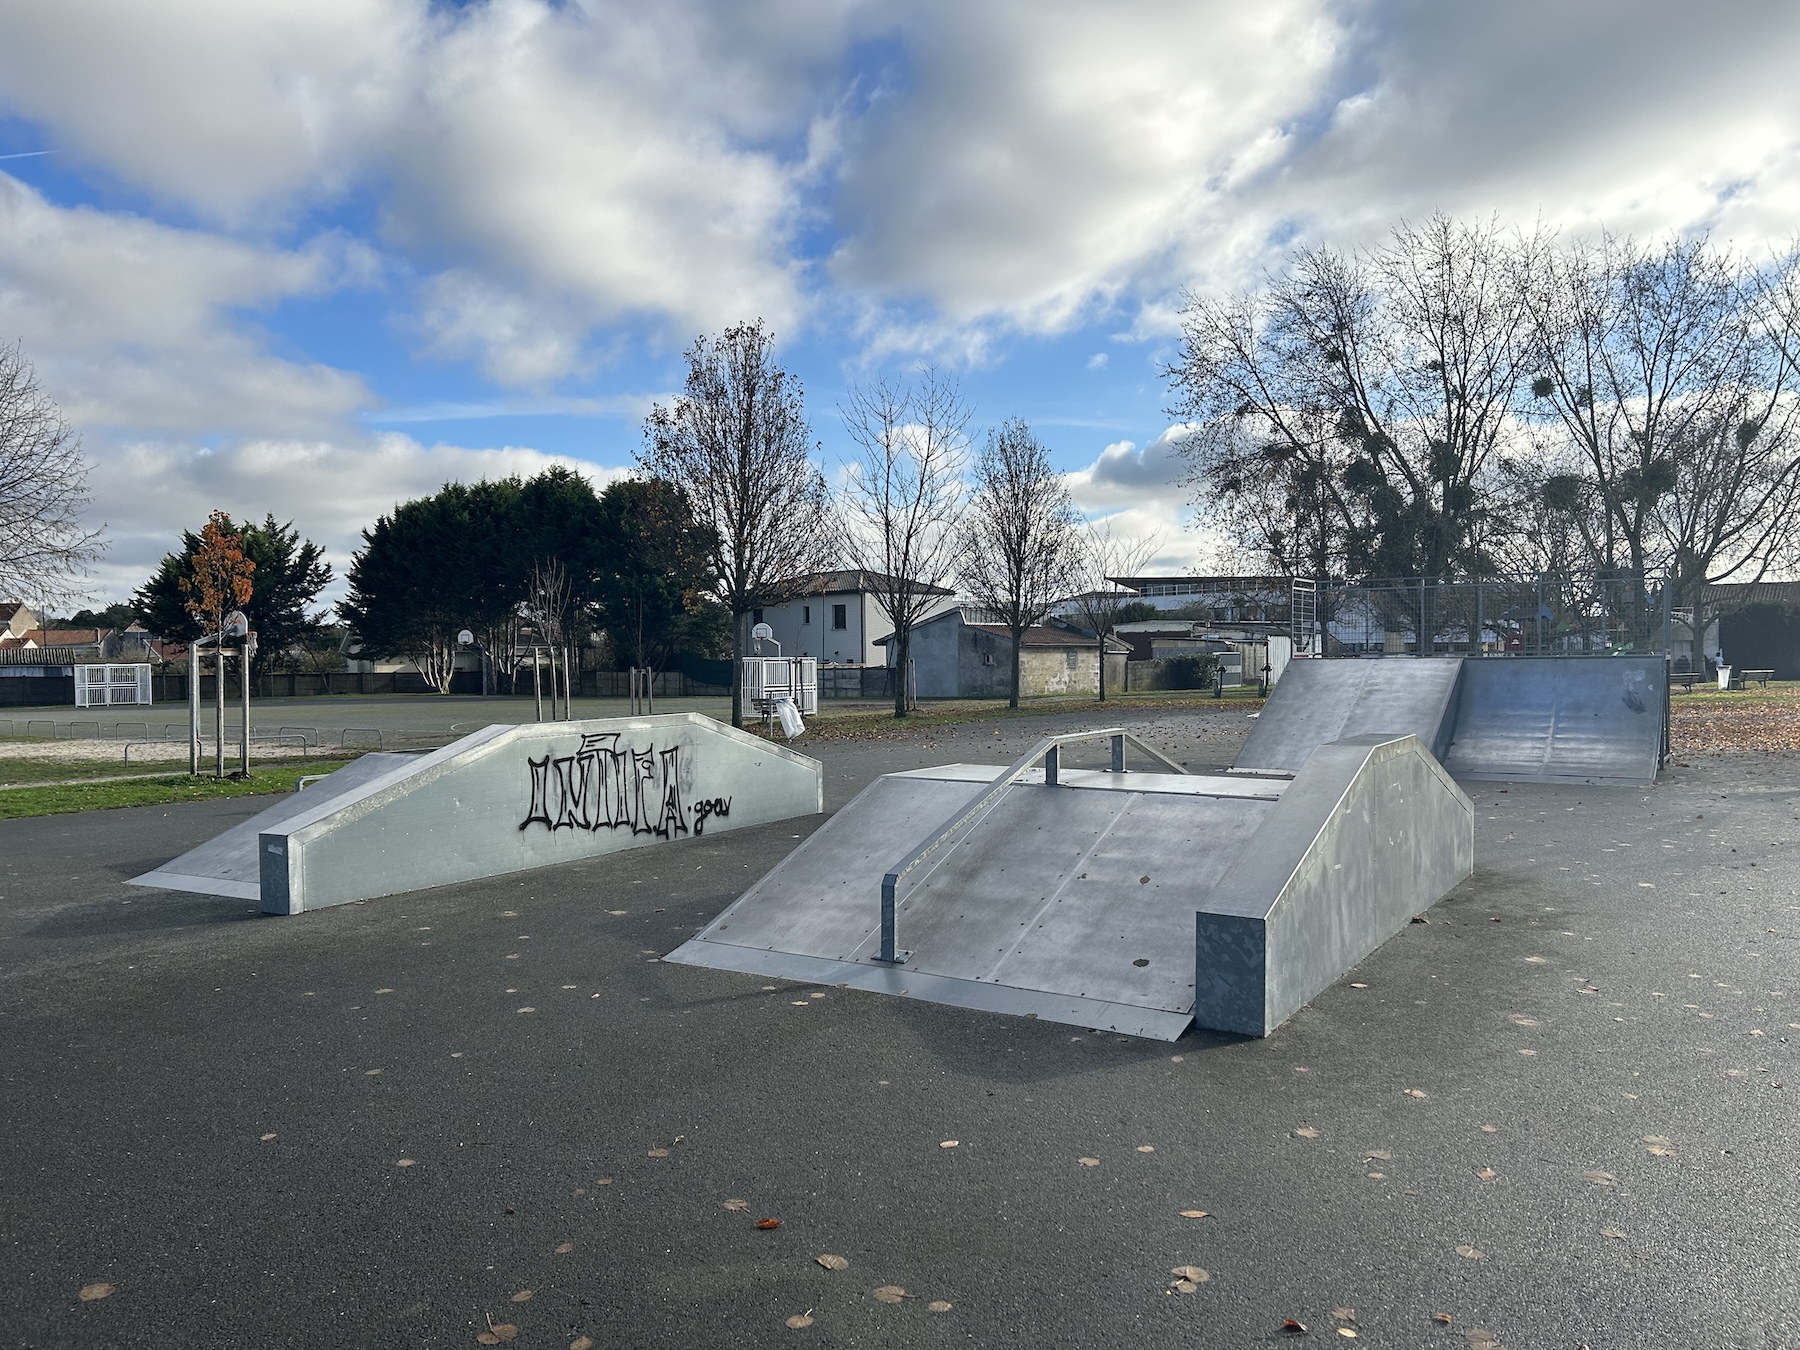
(44, 548)
(737, 443)
(1104, 555)
(1019, 539)
(903, 499)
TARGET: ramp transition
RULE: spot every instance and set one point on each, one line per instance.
(503, 799)
(1558, 719)
(1136, 902)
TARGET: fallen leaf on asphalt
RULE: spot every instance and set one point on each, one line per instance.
(1359, 986)
(889, 1293)
(1414, 1092)
(498, 1333)
(1344, 1314)
(1617, 1234)
(1294, 1327)
(1660, 1151)
(267, 1137)
(832, 1262)
(1441, 1317)
(1490, 1129)
(1480, 1339)
(582, 1343)
(90, 1293)
(1088, 1162)
(524, 1296)
(604, 1181)
(937, 1305)
(1307, 1132)
(1600, 1178)
(564, 1248)
(1520, 1020)
(1659, 1141)
(767, 1224)
(737, 1206)
(1194, 1273)
(1346, 1331)
(1470, 1253)
(1195, 1214)
(406, 1162)
(800, 1321)
(950, 1143)
(1185, 1287)
(1371, 1154)
(1146, 1148)
(657, 1153)
(1486, 1173)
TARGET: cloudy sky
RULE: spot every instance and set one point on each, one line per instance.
(316, 256)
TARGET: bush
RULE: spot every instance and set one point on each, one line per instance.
(1190, 672)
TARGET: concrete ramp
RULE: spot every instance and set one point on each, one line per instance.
(1076, 901)
(1558, 719)
(503, 799)
(1317, 702)
(1561, 720)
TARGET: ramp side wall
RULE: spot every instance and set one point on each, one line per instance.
(1318, 702)
(1572, 719)
(1372, 831)
(516, 798)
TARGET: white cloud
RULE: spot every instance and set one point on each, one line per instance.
(1098, 361)
(1139, 490)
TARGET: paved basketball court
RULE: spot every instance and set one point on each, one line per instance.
(1561, 1113)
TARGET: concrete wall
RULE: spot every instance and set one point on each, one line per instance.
(508, 799)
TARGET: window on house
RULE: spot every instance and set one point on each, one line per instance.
(806, 614)
(840, 616)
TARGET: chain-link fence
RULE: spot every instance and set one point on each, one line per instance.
(1568, 615)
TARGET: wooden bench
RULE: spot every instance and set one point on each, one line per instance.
(1762, 677)
(1687, 680)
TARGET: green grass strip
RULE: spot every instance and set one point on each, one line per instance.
(63, 798)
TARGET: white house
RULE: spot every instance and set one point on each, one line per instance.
(839, 619)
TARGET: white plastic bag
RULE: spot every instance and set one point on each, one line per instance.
(791, 725)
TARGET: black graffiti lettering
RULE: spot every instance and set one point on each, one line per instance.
(606, 786)
(715, 806)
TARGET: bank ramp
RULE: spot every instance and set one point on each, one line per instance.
(503, 799)
(1138, 902)
(1555, 719)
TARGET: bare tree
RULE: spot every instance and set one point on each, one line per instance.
(43, 488)
(1667, 385)
(1019, 537)
(1104, 555)
(548, 608)
(737, 443)
(1354, 410)
(903, 499)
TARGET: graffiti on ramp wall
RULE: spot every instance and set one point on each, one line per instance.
(606, 785)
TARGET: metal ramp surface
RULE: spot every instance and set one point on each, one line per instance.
(1558, 719)
(1316, 702)
(1123, 901)
(227, 864)
(1561, 720)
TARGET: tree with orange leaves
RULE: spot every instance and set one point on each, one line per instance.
(220, 580)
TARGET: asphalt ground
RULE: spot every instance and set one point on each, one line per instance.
(210, 1110)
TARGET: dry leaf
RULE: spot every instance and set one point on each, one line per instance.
(1345, 1331)
(1618, 1234)
(1185, 1287)
(1470, 1253)
(800, 1321)
(267, 1137)
(949, 1143)
(90, 1293)
(1441, 1317)
(524, 1296)
(658, 1153)
(1658, 1139)
(406, 1162)
(502, 1332)
(1370, 1155)
(889, 1293)
(582, 1343)
(1490, 1129)
(1307, 1132)
(1293, 1327)
(1344, 1314)
(1088, 1162)
(1600, 1178)
(1658, 1151)
(486, 1338)
(737, 1206)
(1414, 1092)
(1194, 1273)
(937, 1305)
(1195, 1214)
(767, 1224)
(1146, 1148)
(1486, 1173)
(564, 1248)
(832, 1262)
(604, 1181)
(1359, 986)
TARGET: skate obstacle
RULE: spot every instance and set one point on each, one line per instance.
(1139, 902)
(1555, 719)
(503, 799)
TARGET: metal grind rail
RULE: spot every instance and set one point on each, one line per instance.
(1049, 749)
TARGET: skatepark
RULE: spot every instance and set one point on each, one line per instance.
(500, 1087)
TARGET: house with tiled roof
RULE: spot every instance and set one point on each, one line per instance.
(961, 654)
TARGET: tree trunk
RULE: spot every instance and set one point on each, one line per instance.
(1018, 637)
(737, 669)
(902, 644)
(1102, 667)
